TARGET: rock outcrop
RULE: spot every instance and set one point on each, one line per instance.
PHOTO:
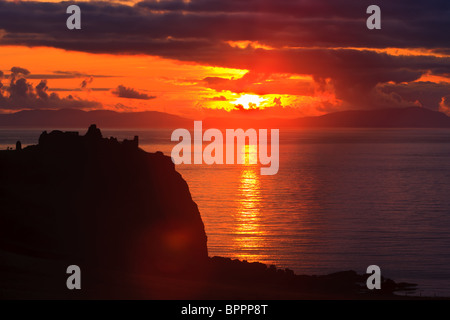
(104, 205)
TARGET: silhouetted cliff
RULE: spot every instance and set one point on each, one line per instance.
(104, 205)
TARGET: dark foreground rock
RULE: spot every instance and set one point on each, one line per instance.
(97, 203)
(127, 219)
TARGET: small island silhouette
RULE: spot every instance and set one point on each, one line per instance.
(127, 219)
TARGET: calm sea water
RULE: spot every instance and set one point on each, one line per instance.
(342, 199)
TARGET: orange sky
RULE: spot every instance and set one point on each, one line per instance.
(178, 86)
(278, 75)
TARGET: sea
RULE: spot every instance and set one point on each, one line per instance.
(343, 199)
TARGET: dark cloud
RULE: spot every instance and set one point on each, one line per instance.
(41, 90)
(76, 74)
(444, 105)
(59, 75)
(147, 25)
(426, 94)
(78, 89)
(17, 70)
(66, 75)
(84, 84)
(196, 31)
(18, 73)
(130, 93)
(20, 94)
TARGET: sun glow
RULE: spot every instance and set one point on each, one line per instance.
(249, 101)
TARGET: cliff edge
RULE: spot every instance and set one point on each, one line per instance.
(104, 205)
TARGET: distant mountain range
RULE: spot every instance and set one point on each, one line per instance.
(72, 118)
(412, 117)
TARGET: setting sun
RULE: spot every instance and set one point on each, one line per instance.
(249, 101)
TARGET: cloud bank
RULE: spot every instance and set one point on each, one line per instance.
(19, 94)
(130, 93)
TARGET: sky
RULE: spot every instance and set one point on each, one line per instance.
(201, 58)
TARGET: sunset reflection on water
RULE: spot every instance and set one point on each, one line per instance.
(249, 233)
(342, 199)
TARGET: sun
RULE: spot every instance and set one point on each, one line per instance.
(249, 101)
